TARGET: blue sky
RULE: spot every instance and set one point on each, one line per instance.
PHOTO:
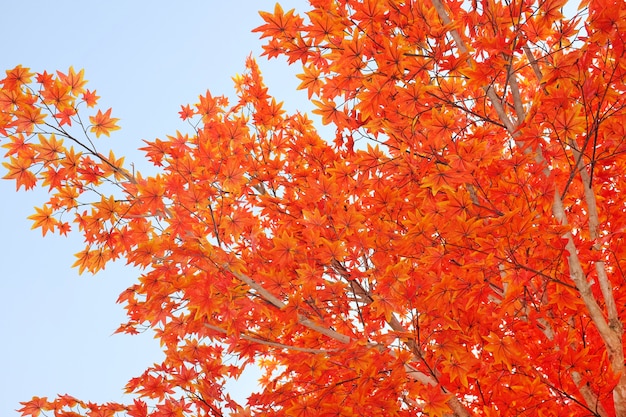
(145, 59)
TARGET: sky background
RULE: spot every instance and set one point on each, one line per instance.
(145, 59)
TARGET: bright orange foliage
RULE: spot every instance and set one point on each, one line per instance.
(457, 248)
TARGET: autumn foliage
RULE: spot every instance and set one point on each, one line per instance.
(457, 248)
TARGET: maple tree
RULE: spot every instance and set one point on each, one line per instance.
(455, 249)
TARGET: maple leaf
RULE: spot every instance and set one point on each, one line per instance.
(286, 247)
(151, 195)
(92, 260)
(114, 166)
(279, 23)
(74, 81)
(234, 176)
(457, 371)
(27, 117)
(64, 228)
(208, 107)
(34, 407)
(71, 162)
(442, 177)
(67, 196)
(45, 79)
(19, 146)
(103, 123)
(156, 151)
(49, 147)
(273, 49)
(383, 306)
(138, 409)
(324, 25)
(534, 389)
(19, 170)
(44, 219)
(16, 77)
(311, 80)
(90, 98)
(329, 111)
(502, 348)
(68, 401)
(57, 94)
(186, 112)
(570, 123)
(436, 403)
(65, 116)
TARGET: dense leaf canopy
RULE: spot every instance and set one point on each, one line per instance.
(455, 249)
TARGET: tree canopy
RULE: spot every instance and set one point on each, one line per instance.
(455, 248)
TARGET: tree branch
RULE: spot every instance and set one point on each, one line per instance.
(269, 297)
(590, 398)
(517, 98)
(270, 343)
(611, 339)
(533, 62)
(491, 93)
(594, 228)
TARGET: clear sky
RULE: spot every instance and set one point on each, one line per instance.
(145, 59)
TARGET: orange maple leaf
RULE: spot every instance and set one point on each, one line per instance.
(49, 147)
(329, 111)
(186, 112)
(279, 23)
(103, 123)
(73, 80)
(90, 98)
(27, 117)
(19, 170)
(285, 247)
(503, 348)
(57, 94)
(92, 260)
(436, 402)
(311, 80)
(44, 218)
(17, 77)
(65, 116)
(34, 407)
